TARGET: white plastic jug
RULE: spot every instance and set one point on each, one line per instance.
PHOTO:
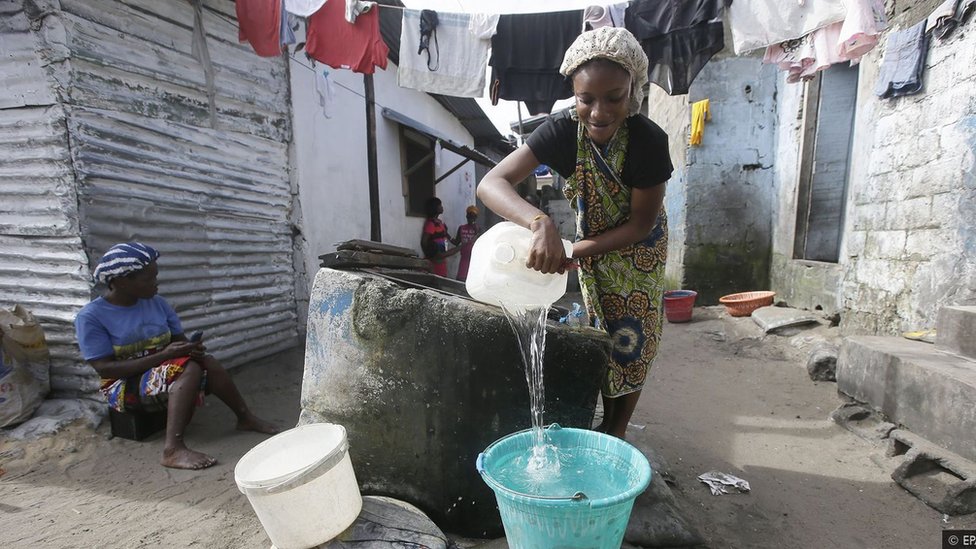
(497, 273)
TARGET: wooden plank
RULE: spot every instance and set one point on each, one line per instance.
(348, 258)
(375, 229)
(369, 246)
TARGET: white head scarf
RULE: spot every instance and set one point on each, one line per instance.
(615, 44)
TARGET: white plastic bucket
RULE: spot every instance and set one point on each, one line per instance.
(301, 485)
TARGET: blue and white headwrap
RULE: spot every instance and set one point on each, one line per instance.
(123, 259)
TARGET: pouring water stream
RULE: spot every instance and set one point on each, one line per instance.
(529, 325)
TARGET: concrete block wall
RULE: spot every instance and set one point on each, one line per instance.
(910, 240)
(908, 244)
(730, 181)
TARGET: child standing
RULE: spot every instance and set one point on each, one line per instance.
(466, 235)
(434, 238)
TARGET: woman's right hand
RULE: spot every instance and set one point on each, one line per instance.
(546, 252)
(179, 349)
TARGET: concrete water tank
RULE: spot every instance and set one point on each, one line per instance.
(424, 379)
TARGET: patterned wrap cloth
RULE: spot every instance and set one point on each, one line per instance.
(623, 289)
(149, 392)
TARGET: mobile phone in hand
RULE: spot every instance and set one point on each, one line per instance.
(196, 336)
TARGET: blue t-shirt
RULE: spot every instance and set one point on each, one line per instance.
(106, 330)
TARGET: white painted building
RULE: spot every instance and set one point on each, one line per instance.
(330, 156)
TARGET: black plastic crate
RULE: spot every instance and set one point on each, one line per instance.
(136, 425)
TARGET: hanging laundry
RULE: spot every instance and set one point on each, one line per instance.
(325, 91)
(965, 9)
(862, 27)
(355, 8)
(428, 30)
(949, 15)
(759, 23)
(342, 45)
(595, 17)
(845, 41)
(678, 36)
(700, 112)
(461, 48)
(287, 33)
(303, 8)
(942, 21)
(526, 52)
(904, 62)
(259, 23)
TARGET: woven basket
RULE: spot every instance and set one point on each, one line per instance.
(743, 304)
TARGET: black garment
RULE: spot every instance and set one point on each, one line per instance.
(648, 160)
(428, 27)
(678, 36)
(526, 52)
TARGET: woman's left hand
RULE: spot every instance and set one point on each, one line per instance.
(546, 253)
(199, 352)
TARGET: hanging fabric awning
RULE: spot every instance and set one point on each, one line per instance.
(447, 143)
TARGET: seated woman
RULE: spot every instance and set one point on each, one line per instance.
(135, 341)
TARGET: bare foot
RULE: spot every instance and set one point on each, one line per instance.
(185, 458)
(252, 422)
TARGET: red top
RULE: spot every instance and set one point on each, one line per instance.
(438, 233)
(260, 24)
(343, 45)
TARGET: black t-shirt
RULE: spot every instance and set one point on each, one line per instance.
(647, 163)
(526, 52)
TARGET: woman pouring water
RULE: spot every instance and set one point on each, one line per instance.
(616, 164)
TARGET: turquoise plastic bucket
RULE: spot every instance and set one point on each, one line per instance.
(569, 520)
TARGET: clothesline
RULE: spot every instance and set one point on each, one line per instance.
(469, 12)
(516, 44)
(341, 85)
(347, 88)
(501, 7)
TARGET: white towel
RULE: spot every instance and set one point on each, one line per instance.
(303, 8)
(759, 23)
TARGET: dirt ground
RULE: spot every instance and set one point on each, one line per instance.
(721, 397)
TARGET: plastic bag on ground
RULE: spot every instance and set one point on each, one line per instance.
(25, 365)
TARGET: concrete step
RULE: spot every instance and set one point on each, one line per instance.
(943, 480)
(929, 391)
(955, 331)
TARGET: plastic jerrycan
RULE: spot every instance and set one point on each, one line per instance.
(497, 272)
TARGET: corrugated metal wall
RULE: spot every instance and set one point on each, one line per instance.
(214, 199)
(132, 150)
(42, 265)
